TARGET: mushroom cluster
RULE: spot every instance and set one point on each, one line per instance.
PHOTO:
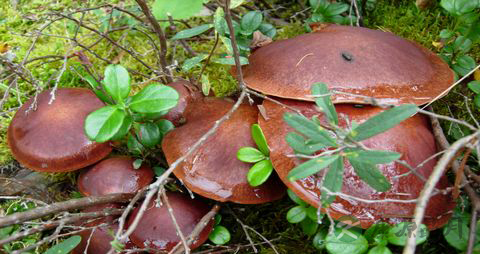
(357, 63)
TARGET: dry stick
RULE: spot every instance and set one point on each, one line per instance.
(473, 229)
(174, 220)
(182, 41)
(178, 249)
(459, 174)
(208, 58)
(244, 228)
(36, 213)
(263, 237)
(430, 185)
(51, 224)
(161, 36)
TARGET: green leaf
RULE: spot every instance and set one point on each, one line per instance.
(446, 34)
(250, 155)
(296, 214)
(134, 146)
(476, 100)
(462, 44)
(371, 175)
(177, 9)
(220, 235)
(154, 98)
(219, 21)
(235, 3)
(165, 126)
(380, 250)
(159, 171)
(373, 156)
(309, 227)
(137, 163)
(311, 167)
(218, 219)
(333, 180)
(300, 145)
(324, 102)
(102, 124)
(319, 239)
(229, 60)
(399, 234)
(378, 229)
(192, 62)
(205, 85)
(260, 140)
(259, 173)
(95, 85)
(336, 9)
(346, 241)
(117, 82)
(126, 125)
(474, 86)
(188, 33)
(383, 121)
(65, 246)
(295, 198)
(251, 21)
(268, 30)
(149, 134)
(312, 213)
(456, 232)
(309, 128)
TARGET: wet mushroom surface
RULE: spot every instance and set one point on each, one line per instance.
(412, 138)
(187, 95)
(349, 59)
(213, 170)
(156, 230)
(51, 138)
(114, 175)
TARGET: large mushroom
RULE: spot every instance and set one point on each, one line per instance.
(412, 138)
(213, 170)
(156, 229)
(114, 175)
(187, 95)
(353, 60)
(51, 137)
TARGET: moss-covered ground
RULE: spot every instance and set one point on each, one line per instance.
(398, 16)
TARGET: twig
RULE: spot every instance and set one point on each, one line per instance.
(174, 220)
(473, 229)
(244, 228)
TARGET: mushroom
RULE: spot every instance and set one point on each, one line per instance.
(51, 137)
(187, 95)
(114, 175)
(156, 230)
(213, 170)
(412, 138)
(354, 60)
(98, 239)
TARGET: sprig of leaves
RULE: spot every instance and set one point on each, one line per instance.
(220, 234)
(263, 168)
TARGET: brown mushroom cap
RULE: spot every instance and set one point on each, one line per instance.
(187, 95)
(349, 59)
(412, 138)
(51, 138)
(114, 175)
(156, 230)
(213, 170)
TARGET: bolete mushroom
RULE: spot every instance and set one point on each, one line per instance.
(213, 170)
(156, 230)
(354, 60)
(412, 138)
(114, 175)
(51, 137)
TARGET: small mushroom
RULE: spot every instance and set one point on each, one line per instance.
(156, 230)
(349, 59)
(213, 170)
(187, 95)
(412, 138)
(114, 175)
(51, 137)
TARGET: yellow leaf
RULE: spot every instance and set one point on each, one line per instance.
(476, 75)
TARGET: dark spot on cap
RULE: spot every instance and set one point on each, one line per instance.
(347, 56)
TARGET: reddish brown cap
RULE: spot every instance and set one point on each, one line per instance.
(187, 95)
(52, 138)
(114, 175)
(213, 170)
(349, 59)
(156, 230)
(412, 138)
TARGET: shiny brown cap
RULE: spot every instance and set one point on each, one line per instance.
(52, 138)
(114, 175)
(156, 230)
(213, 170)
(412, 138)
(349, 59)
(187, 94)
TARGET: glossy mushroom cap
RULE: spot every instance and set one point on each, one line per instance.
(187, 95)
(349, 59)
(412, 138)
(156, 230)
(99, 239)
(51, 138)
(114, 175)
(213, 170)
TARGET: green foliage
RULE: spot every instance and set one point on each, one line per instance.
(220, 234)
(399, 234)
(141, 110)
(65, 246)
(329, 12)
(176, 9)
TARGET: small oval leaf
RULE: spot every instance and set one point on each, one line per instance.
(101, 125)
(260, 140)
(296, 214)
(154, 98)
(250, 155)
(259, 173)
(117, 82)
(220, 235)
